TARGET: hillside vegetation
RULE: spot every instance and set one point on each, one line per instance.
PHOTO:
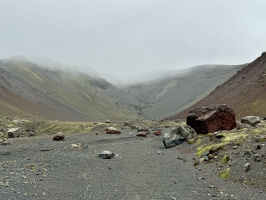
(31, 91)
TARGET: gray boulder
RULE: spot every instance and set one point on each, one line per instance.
(106, 154)
(251, 120)
(178, 135)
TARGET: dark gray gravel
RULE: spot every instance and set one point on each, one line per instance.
(39, 168)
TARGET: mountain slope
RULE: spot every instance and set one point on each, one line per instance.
(245, 92)
(174, 94)
(66, 95)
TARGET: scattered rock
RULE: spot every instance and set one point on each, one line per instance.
(142, 134)
(5, 142)
(13, 132)
(112, 130)
(126, 124)
(247, 167)
(75, 145)
(107, 121)
(206, 158)
(196, 163)
(258, 157)
(59, 136)
(145, 129)
(106, 154)
(168, 143)
(251, 120)
(211, 156)
(211, 119)
(45, 149)
(247, 152)
(157, 133)
(159, 152)
(134, 127)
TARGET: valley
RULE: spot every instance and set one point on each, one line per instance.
(37, 103)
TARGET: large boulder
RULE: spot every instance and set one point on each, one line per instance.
(178, 135)
(251, 120)
(211, 119)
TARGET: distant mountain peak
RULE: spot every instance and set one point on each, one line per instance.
(18, 58)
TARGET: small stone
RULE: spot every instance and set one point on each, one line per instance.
(142, 134)
(75, 145)
(247, 152)
(157, 133)
(201, 160)
(206, 158)
(235, 147)
(112, 130)
(59, 136)
(106, 155)
(196, 163)
(258, 146)
(258, 157)
(6, 142)
(211, 156)
(247, 167)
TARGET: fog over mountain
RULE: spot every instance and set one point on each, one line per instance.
(121, 38)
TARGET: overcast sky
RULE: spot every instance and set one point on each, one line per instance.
(127, 36)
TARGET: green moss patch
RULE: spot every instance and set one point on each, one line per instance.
(226, 159)
(226, 174)
(52, 127)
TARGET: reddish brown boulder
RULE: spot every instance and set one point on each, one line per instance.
(211, 119)
(59, 137)
(112, 130)
(157, 133)
(142, 134)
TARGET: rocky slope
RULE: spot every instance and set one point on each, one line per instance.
(245, 92)
(28, 90)
(184, 88)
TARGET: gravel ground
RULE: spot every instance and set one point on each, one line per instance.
(40, 168)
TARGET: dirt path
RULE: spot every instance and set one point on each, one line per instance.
(39, 168)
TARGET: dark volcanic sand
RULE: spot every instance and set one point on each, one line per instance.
(40, 168)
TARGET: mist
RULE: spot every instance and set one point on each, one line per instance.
(125, 41)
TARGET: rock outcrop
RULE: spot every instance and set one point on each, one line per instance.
(211, 119)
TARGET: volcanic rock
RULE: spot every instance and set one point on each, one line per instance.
(106, 154)
(59, 136)
(211, 119)
(112, 130)
(157, 133)
(142, 134)
(251, 120)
